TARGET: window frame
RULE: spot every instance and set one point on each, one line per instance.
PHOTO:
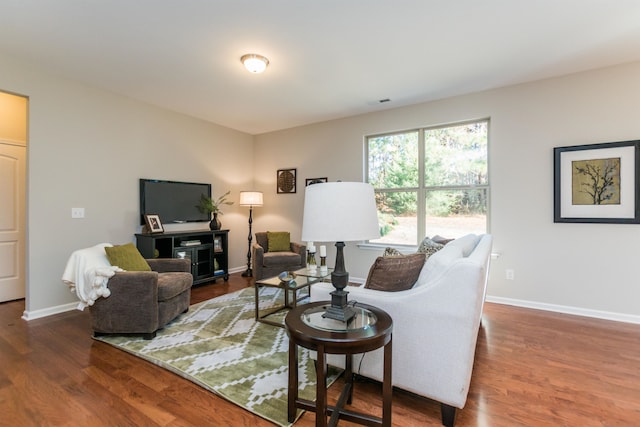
(423, 189)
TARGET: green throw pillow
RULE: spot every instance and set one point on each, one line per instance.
(127, 258)
(279, 241)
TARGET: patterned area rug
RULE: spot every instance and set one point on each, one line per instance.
(219, 346)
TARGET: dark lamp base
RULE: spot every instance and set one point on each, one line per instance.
(339, 309)
(337, 313)
(248, 273)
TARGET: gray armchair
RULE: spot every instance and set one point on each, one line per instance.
(141, 302)
(269, 264)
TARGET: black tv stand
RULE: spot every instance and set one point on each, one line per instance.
(207, 250)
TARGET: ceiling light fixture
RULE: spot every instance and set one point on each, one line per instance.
(254, 63)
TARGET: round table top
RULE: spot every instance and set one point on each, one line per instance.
(371, 334)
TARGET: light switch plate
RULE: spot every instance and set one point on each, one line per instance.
(77, 212)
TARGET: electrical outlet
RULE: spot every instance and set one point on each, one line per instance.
(509, 274)
(77, 212)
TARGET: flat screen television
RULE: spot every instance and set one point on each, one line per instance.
(174, 201)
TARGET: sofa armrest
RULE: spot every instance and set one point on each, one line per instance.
(435, 327)
(132, 305)
(133, 286)
(167, 265)
(299, 248)
(257, 258)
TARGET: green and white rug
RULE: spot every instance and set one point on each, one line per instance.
(219, 346)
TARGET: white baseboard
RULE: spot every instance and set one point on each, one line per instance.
(598, 314)
(605, 315)
(49, 311)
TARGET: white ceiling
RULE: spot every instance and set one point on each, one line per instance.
(329, 58)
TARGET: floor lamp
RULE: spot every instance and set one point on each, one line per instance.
(339, 212)
(251, 199)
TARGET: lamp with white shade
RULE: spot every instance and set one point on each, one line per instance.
(251, 199)
(339, 212)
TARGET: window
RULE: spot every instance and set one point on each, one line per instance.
(430, 181)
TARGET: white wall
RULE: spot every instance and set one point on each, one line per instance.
(88, 148)
(590, 269)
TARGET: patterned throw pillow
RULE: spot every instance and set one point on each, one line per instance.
(395, 273)
(391, 252)
(443, 240)
(278, 241)
(429, 247)
(127, 258)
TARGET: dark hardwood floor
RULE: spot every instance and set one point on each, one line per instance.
(532, 368)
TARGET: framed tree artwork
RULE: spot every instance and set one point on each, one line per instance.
(597, 183)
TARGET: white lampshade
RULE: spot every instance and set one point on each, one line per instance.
(251, 198)
(254, 63)
(340, 212)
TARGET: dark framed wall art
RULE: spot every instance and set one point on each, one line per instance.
(597, 183)
(286, 181)
(311, 181)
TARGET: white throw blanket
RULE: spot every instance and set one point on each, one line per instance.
(87, 273)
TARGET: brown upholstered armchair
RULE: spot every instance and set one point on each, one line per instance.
(269, 264)
(141, 302)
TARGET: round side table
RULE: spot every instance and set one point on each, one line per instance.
(370, 329)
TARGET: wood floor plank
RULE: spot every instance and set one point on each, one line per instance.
(532, 368)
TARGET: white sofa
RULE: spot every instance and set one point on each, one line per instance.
(435, 324)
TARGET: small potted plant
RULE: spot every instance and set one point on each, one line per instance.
(210, 206)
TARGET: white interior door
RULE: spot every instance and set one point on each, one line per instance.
(12, 221)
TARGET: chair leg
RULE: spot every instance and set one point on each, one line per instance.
(149, 336)
(448, 415)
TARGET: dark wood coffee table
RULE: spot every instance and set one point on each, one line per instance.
(370, 329)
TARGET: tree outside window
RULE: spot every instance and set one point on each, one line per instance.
(438, 175)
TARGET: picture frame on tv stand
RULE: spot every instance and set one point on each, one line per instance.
(153, 224)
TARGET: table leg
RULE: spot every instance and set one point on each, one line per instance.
(293, 381)
(255, 286)
(387, 389)
(297, 298)
(321, 388)
(348, 375)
